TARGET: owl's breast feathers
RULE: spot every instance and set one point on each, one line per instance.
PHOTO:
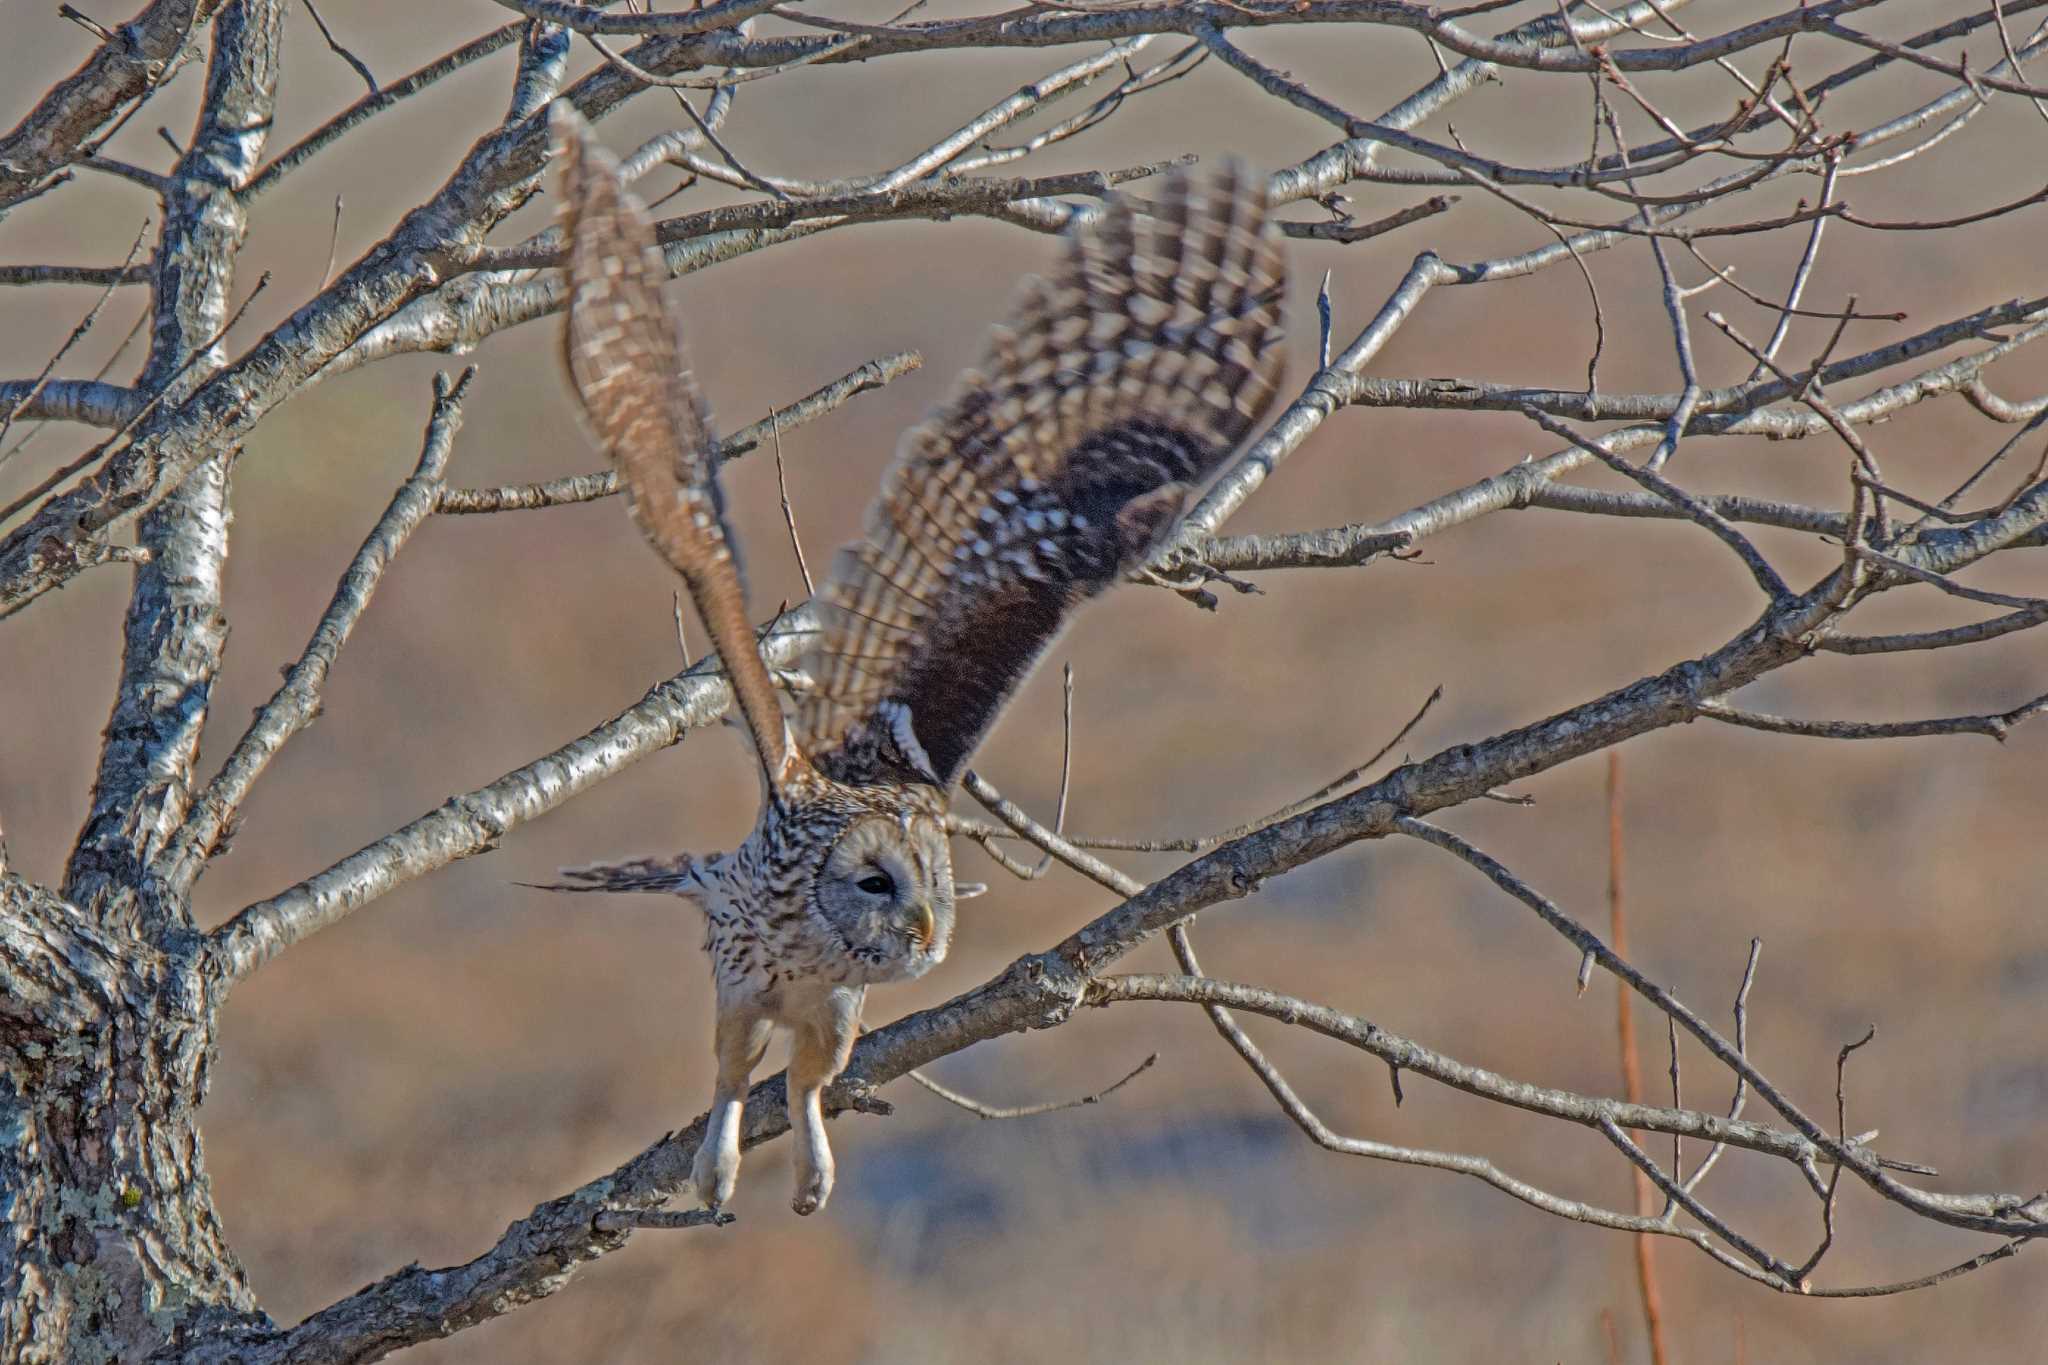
(761, 926)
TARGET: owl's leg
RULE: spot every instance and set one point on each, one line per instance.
(817, 1056)
(742, 1036)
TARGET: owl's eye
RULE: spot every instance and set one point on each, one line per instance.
(877, 884)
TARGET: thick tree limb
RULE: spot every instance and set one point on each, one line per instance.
(127, 67)
(177, 625)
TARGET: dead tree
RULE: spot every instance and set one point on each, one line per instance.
(115, 976)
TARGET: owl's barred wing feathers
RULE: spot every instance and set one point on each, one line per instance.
(671, 876)
(625, 359)
(1056, 467)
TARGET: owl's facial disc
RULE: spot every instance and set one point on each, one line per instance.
(887, 888)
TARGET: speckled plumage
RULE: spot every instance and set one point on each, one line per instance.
(1055, 468)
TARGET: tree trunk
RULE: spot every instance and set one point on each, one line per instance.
(112, 1248)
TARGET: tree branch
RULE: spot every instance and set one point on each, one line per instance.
(293, 706)
(177, 626)
(127, 68)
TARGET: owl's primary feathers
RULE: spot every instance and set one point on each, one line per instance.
(1056, 467)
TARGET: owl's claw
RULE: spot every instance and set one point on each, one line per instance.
(715, 1175)
(715, 1172)
(813, 1185)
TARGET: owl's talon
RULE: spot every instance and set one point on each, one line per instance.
(813, 1188)
(715, 1171)
(714, 1180)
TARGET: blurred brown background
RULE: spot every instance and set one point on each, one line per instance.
(403, 1086)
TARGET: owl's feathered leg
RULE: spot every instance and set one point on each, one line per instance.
(817, 1056)
(742, 1036)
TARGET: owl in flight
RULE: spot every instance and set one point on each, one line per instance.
(1116, 387)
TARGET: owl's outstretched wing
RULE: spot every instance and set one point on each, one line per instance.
(1057, 466)
(626, 361)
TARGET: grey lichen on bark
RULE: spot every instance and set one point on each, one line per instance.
(112, 1242)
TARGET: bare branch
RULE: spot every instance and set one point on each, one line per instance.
(125, 70)
(293, 706)
(588, 19)
(176, 630)
(68, 400)
(377, 102)
(1996, 726)
(1752, 559)
(476, 821)
(85, 323)
(355, 63)
(605, 482)
(663, 1220)
(1026, 1111)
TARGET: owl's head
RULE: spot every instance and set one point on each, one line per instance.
(887, 889)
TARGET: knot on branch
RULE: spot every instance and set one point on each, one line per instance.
(1054, 986)
(855, 1094)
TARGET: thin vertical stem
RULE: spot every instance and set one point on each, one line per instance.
(1631, 1065)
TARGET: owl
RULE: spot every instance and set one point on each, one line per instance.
(1056, 467)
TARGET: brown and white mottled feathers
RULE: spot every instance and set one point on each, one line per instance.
(1056, 467)
(627, 364)
(675, 876)
(1117, 386)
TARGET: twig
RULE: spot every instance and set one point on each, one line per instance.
(1756, 947)
(1025, 1111)
(1203, 843)
(2012, 57)
(158, 185)
(1951, 638)
(333, 244)
(355, 62)
(77, 334)
(704, 127)
(604, 483)
(1801, 273)
(1346, 231)
(1059, 819)
(1827, 1239)
(307, 147)
(1977, 1262)
(1997, 726)
(1759, 568)
(992, 196)
(1609, 1117)
(140, 414)
(796, 542)
(1647, 1288)
(631, 1220)
(294, 705)
(1049, 842)
(1945, 583)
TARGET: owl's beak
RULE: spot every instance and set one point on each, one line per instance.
(922, 926)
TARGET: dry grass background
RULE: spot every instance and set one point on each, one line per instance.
(404, 1085)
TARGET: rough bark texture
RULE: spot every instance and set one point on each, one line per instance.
(111, 1242)
(115, 1245)
(176, 630)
